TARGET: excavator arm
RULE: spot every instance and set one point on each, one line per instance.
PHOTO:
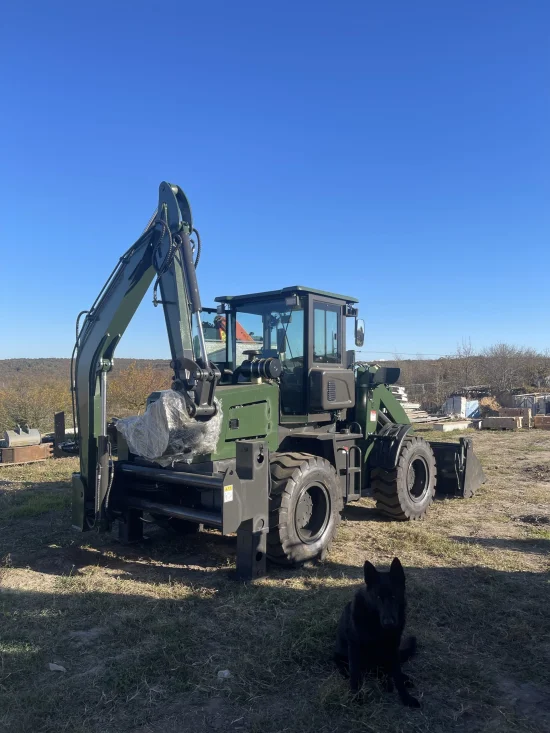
(164, 251)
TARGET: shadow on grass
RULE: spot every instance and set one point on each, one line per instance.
(161, 557)
(148, 660)
(537, 545)
(535, 519)
(358, 513)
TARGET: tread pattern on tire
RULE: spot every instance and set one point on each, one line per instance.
(286, 471)
(389, 488)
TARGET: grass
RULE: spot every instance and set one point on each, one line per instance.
(35, 503)
(143, 631)
(34, 489)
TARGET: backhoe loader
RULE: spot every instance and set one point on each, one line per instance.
(271, 425)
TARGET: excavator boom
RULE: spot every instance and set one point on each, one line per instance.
(164, 252)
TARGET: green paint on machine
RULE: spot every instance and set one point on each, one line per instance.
(250, 411)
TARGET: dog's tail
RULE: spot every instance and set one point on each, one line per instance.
(408, 649)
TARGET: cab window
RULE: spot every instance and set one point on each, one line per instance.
(326, 333)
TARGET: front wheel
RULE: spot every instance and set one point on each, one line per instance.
(305, 508)
(408, 491)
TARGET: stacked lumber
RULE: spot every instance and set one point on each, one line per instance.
(419, 416)
(414, 413)
(399, 393)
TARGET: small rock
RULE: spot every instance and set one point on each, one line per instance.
(56, 667)
(224, 674)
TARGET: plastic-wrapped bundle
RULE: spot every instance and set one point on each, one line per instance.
(166, 434)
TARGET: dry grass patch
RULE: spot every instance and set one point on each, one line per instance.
(143, 631)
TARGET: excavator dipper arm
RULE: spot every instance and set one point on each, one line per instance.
(164, 252)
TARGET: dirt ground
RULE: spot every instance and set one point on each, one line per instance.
(139, 634)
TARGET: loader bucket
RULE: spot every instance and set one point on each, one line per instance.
(459, 472)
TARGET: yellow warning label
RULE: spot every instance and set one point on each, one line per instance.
(228, 493)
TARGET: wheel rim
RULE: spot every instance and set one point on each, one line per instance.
(312, 513)
(417, 479)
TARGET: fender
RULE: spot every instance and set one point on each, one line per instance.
(387, 446)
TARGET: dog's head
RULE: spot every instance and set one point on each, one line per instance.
(386, 592)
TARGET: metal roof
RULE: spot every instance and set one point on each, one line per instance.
(292, 290)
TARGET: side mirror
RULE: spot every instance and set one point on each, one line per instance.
(359, 332)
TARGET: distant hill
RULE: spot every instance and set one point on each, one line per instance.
(15, 368)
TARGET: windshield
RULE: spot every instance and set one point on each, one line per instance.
(273, 328)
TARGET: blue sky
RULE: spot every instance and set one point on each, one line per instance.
(398, 152)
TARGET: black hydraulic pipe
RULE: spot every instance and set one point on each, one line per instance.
(172, 510)
(189, 269)
(150, 473)
(385, 419)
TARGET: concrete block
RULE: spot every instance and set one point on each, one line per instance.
(501, 423)
(446, 427)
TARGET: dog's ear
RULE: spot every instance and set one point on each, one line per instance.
(396, 571)
(371, 574)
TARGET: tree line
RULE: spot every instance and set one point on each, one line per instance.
(501, 369)
(33, 400)
(31, 395)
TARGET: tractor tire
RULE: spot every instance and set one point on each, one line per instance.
(305, 508)
(408, 491)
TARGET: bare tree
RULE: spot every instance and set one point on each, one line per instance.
(503, 367)
(468, 359)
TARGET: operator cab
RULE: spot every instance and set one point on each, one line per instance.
(302, 329)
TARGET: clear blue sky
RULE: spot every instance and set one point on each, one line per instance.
(396, 151)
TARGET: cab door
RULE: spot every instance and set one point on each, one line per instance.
(331, 385)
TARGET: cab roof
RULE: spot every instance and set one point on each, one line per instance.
(291, 290)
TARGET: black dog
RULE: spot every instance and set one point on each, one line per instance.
(370, 631)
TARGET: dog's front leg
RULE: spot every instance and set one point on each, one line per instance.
(408, 649)
(401, 684)
(356, 667)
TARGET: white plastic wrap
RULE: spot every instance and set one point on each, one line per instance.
(166, 434)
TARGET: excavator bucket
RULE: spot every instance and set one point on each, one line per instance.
(459, 472)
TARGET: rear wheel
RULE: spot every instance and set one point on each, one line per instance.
(408, 490)
(305, 508)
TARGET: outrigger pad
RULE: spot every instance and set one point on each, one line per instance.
(459, 472)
